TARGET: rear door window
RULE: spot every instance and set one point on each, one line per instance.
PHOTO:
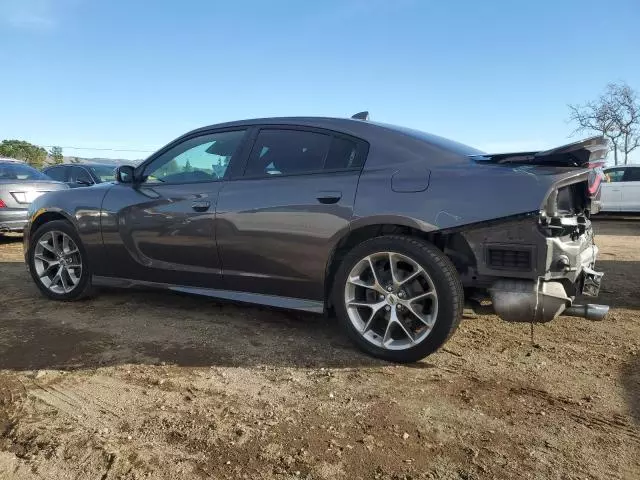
(295, 152)
(59, 174)
(80, 175)
(632, 174)
(614, 175)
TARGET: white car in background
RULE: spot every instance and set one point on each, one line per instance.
(621, 189)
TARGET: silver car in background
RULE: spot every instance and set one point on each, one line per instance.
(20, 184)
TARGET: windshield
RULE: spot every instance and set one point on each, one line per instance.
(17, 171)
(105, 174)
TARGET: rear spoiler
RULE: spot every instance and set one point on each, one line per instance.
(587, 153)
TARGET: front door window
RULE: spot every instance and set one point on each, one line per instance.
(200, 159)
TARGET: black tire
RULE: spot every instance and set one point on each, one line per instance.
(83, 289)
(446, 282)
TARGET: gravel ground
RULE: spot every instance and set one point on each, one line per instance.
(138, 384)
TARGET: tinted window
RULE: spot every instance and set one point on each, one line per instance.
(614, 175)
(200, 159)
(342, 154)
(81, 175)
(105, 174)
(17, 171)
(57, 173)
(632, 175)
(290, 152)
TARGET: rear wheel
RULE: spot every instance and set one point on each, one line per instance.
(58, 262)
(399, 298)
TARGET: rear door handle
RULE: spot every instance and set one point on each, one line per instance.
(329, 197)
(201, 206)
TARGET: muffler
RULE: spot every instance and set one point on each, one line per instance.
(589, 311)
(517, 300)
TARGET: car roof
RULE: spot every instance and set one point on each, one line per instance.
(365, 129)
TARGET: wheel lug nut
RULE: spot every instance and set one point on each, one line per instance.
(387, 308)
(389, 288)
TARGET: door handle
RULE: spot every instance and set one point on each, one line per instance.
(201, 206)
(329, 197)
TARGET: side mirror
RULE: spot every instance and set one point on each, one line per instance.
(125, 174)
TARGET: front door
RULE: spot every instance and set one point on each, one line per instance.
(278, 223)
(162, 229)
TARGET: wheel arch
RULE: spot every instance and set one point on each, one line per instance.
(451, 243)
(47, 216)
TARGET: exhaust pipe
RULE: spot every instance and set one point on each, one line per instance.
(589, 311)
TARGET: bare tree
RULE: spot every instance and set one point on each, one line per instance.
(615, 114)
(627, 118)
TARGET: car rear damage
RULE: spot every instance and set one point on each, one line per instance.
(534, 266)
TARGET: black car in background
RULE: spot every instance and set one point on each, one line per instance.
(82, 175)
(388, 227)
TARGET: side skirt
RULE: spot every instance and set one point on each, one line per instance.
(244, 297)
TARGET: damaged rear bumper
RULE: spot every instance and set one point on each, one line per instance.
(569, 273)
(534, 276)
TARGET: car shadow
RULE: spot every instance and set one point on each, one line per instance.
(10, 238)
(151, 327)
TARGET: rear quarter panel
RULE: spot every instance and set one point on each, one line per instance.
(459, 191)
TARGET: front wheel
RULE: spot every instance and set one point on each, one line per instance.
(58, 262)
(399, 298)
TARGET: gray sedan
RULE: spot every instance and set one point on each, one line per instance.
(389, 228)
(20, 184)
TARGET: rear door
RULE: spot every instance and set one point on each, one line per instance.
(630, 187)
(611, 193)
(162, 229)
(279, 218)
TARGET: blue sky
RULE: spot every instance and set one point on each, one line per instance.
(134, 74)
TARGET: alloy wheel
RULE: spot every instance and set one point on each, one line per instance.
(57, 262)
(391, 300)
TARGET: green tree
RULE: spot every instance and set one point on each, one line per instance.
(56, 154)
(171, 167)
(21, 150)
(187, 167)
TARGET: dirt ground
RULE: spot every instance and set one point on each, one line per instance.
(134, 384)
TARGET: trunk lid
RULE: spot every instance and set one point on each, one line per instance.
(581, 162)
